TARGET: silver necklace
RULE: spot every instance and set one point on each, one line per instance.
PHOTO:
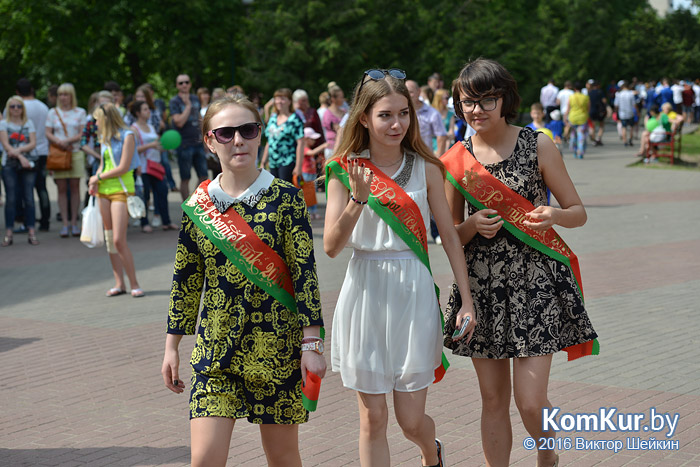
(392, 164)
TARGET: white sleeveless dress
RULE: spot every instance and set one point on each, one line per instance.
(387, 333)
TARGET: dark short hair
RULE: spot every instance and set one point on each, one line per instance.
(112, 86)
(24, 87)
(135, 107)
(483, 77)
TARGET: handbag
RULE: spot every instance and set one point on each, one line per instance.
(134, 204)
(92, 233)
(155, 169)
(308, 188)
(59, 158)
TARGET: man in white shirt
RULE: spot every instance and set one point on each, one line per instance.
(37, 112)
(563, 102)
(677, 90)
(548, 98)
(624, 106)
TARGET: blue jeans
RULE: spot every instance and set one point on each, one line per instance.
(160, 195)
(165, 160)
(192, 156)
(12, 178)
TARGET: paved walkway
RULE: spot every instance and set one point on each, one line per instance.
(81, 378)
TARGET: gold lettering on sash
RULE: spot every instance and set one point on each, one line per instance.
(385, 196)
(471, 180)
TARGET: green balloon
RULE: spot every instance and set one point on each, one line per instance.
(170, 139)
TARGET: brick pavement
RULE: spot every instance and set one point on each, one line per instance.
(82, 381)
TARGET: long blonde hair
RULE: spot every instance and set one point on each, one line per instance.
(355, 137)
(24, 109)
(438, 101)
(109, 122)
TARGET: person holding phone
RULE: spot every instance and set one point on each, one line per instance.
(245, 241)
(381, 184)
(528, 302)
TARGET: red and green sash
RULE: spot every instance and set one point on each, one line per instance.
(484, 191)
(401, 213)
(232, 235)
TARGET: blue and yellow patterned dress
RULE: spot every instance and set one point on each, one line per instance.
(246, 360)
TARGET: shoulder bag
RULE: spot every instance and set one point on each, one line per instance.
(153, 168)
(59, 158)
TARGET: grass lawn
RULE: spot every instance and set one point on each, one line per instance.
(689, 158)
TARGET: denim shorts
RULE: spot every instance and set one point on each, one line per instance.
(192, 155)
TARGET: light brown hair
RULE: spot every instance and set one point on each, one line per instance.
(355, 137)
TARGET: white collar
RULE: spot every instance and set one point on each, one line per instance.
(250, 196)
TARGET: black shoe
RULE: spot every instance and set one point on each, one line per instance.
(43, 227)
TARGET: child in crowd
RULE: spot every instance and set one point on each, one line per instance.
(537, 116)
(556, 126)
(308, 168)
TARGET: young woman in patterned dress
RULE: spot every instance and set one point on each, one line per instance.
(527, 305)
(247, 361)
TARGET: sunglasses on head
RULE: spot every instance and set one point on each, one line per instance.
(376, 74)
(226, 133)
(183, 82)
(16, 106)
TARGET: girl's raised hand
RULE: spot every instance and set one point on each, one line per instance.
(360, 179)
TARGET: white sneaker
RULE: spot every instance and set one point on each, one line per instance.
(156, 222)
(438, 240)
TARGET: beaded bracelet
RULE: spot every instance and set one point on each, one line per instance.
(361, 203)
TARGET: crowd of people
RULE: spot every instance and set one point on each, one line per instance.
(245, 278)
(384, 158)
(646, 111)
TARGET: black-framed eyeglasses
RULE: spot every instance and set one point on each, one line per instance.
(486, 104)
(183, 82)
(226, 133)
(376, 74)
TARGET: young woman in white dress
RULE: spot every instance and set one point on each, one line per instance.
(387, 326)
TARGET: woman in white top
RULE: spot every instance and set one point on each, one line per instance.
(74, 119)
(18, 138)
(152, 171)
(387, 328)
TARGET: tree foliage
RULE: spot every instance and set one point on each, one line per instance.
(269, 44)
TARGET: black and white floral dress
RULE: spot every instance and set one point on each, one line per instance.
(527, 304)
